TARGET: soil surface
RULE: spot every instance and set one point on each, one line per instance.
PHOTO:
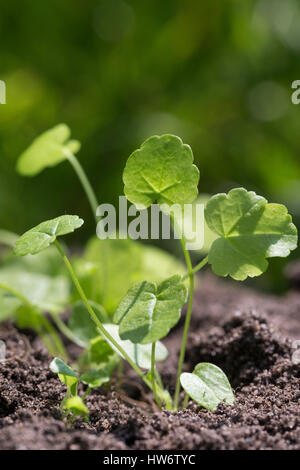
(249, 335)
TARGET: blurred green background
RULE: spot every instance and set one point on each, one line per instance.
(216, 73)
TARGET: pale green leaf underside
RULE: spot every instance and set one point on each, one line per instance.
(47, 150)
(44, 234)
(58, 366)
(207, 385)
(161, 171)
(250, 230)
(139, 353)
(148, 312)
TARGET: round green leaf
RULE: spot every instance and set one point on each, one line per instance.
(47, 150)
(139, 353)
(95, 378)
(148, 312)
(249, 231)
(41, 236)
(161, 171)
(207, 385)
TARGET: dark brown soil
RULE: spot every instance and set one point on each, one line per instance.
(249, 335)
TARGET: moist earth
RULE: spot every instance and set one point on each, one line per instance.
(251, 336)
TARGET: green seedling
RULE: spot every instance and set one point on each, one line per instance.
(244, 232)
(72, 403)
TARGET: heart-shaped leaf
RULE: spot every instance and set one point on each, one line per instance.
(47, 150)
(139, 353)
(65, 373)
(161, 171)
(41, 236)
(95, 378)
(207, 385)
(250, 230)
(148, 312)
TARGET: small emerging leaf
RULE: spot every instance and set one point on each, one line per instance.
(139, 353)
(207, 385)
(77, 406)
(161, 171)
(44, 234)
(250, 230)
(65, 373)
(148, 312)
(95, 378)
(47, 150)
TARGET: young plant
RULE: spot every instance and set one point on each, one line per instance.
(246, 230)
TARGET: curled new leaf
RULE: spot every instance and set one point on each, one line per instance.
(207, 385)
(161, 171)
(148, 312)
(44, 234)
(47, 150)
(66, 374)
(250, 230)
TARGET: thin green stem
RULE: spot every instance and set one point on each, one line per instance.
(86, 393)
(186, 323)
(94, 316)
(185, 401)
(60, 349)
(153, 375)
(15, 293)
(84, 181)
(65, 330)
(197, 267)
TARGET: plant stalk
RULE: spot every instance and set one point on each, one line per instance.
(186, 323)
(84, 181)
(95, 318)
(153, 375)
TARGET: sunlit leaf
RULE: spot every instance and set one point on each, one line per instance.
(207, 385)
(161, 171)
(148, 312)
(47, 150)
(249, 230)
(43, 235)
(139, 353)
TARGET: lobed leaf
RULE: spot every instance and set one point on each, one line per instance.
(47, 150)
(161, 171)
(139, 353)
(148, 312)
(43, 235)
(249, 231)
(207, 385)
